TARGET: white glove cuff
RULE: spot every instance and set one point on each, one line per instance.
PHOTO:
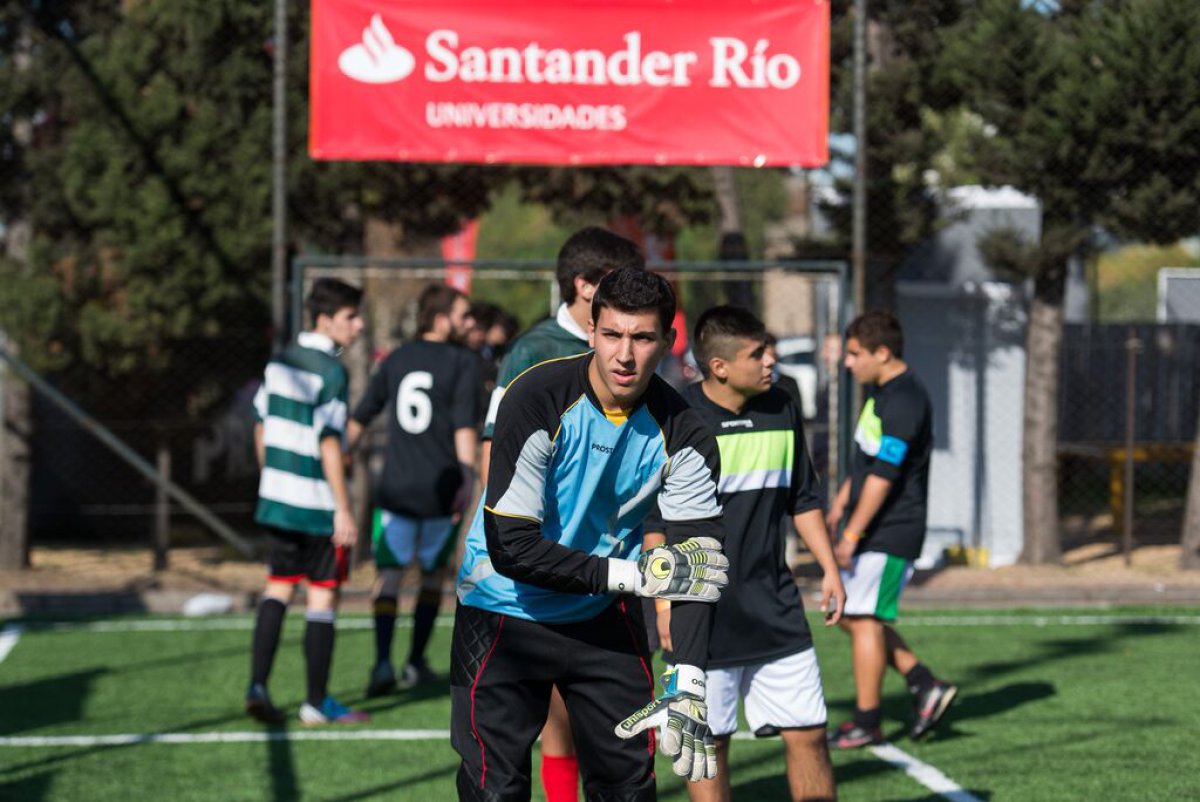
(623, 576)
(689, 679)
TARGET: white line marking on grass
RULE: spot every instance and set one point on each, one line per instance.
(8, 639)
(134, 739)
(1048, 620)
(210, 625)
(924, 773)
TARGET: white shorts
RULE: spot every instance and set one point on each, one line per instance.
(398, 540)
(874, 583)
(782, 694)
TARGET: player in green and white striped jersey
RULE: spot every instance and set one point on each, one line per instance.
(302, 501)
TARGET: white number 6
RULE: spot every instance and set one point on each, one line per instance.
(414, 410)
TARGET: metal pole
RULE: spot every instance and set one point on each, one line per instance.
(1132, 346)
(858, 234)
(279, 178)
(162, 507)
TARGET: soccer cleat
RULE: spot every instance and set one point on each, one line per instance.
(414, 674)
(931, 705)
(331, 711)
(852, 736)
(382, 681)
(258, 705)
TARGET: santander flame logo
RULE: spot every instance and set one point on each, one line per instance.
(377, 59)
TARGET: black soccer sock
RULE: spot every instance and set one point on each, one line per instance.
(919, 679)
(318, 653)
(268, 624)
(385, 626)
(424, 617)
(868, 719)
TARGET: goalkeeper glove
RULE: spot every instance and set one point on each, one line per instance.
(693, 570)
(682, 715)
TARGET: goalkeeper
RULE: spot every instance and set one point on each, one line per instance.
(582, 448)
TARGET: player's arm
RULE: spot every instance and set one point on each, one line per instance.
(370, 405)
(837, 510)
(345, 530)
(465, 419)
(690, 512)
(804, 503)
(329, 419)
(260, 414)
(662, 607)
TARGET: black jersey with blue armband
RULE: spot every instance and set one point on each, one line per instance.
(894, 440)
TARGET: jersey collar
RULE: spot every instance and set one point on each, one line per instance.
(317, 342)
(568, 324)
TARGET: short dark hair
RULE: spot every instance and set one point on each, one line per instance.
(719, 331)
(486, 315)
(632, 289)
(329, 295)
(875, 329)
(591, 253)
(436, 299)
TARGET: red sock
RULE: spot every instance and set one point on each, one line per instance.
(560, 778)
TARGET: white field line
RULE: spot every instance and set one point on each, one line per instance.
(222, 624)
(924, 773)
(132, 739)
(8, 639)
(1049, 620)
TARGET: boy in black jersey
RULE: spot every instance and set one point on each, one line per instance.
(431, 389)
(761, 647)
(885, 496)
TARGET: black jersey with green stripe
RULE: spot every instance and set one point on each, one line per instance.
(430, 389)
(765, 475)
(894, 440)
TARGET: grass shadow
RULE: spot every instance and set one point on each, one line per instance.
(367, 793)
(45, 702)
(27, 789)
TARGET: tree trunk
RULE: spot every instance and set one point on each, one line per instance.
(15, 429)
(1190, 557)
(1040, 437)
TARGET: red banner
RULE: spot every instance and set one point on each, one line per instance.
(460, 247)
(742, 82)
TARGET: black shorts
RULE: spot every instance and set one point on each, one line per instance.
(502, 671)
(295, 557)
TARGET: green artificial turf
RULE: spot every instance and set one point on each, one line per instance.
(1046, 712)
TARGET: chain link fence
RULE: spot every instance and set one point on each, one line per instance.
(802, 304)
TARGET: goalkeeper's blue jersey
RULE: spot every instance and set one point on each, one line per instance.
(569, 486)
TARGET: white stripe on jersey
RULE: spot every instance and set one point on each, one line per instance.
(331, 415)
(287, 435)
(295, 491)
(293, 383)
(493, 406)
(755, 480)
